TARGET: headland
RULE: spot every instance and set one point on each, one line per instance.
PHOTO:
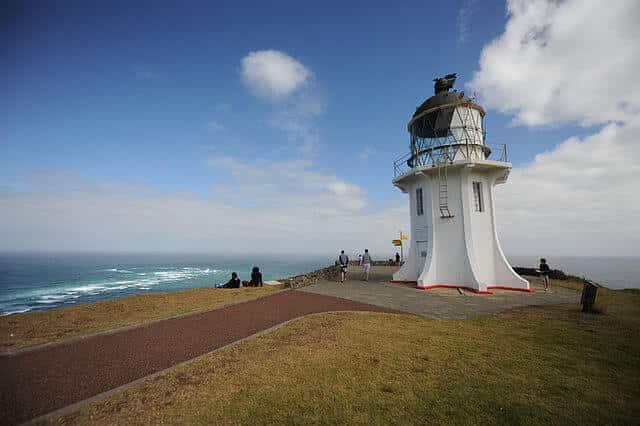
(513, 362)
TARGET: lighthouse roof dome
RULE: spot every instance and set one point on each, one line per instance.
(433, 117)
(442, 98)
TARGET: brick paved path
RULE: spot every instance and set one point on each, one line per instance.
(36, 382)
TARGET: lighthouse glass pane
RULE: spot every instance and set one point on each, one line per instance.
(477, 196)
(419, 204)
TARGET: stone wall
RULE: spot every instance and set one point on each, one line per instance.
(329, 273)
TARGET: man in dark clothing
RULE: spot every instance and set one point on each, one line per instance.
(256, 277)
(397, 258)
(343, 261)
(234, 282)
(544, 273)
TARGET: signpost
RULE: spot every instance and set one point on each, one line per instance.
(398, 242)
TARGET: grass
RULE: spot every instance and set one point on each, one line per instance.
(615, 302)
(535, 365)
(33, 328)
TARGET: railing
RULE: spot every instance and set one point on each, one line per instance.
(447, 154)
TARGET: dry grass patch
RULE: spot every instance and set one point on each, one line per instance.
(32, 328)
(533, 365)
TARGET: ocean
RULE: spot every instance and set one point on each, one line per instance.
(611, 272)
(35, 282)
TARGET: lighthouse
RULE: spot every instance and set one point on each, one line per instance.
(449, 174)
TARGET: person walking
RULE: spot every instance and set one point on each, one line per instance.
(544, 270)
(366, 264)
(397, 258)
(343, 261)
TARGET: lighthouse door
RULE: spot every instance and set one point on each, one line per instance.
(422, 247)
(421, 255)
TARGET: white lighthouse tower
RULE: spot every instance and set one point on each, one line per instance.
(449, 175)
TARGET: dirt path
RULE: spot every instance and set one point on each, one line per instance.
(40, 381)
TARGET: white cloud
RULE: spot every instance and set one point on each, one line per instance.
(561, 63)
(564, 61)
(581, 198)
(270, 207)
(214, 126)
(297, 118)
(148, 73)
(273, 74)
(463, 22)
(291, 183)
(366, 153)
(277, 76)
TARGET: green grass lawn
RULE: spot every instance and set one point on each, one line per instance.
(535, 365)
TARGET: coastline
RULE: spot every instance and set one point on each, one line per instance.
(43, 326)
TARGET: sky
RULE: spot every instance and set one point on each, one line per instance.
(272, 127)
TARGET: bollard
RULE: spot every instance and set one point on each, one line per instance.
(589, 293)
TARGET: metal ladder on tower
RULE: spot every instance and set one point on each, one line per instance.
(443, 190)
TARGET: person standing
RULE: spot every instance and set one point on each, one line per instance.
(366, 264)
(343, 261)
(544, 273)
(359, 259)
(397, 258)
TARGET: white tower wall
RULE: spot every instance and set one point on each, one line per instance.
(463, 250)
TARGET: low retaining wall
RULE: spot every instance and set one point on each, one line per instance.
(328, 273)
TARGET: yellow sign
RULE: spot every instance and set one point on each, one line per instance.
(396, 242)
(403, 237)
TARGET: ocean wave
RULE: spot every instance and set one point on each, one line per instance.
(51, 297)
(15, 310)
(87, 288)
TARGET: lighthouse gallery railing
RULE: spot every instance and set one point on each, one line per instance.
(441, 155)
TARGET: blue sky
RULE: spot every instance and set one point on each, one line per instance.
(124, 92)
(148, 95)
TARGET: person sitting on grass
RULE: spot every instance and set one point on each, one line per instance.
(256, 277)
(544, 270)
(234, 282)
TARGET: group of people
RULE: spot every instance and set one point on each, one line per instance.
(364, 260)
(234, 282)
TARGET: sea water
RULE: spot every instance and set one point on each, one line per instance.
(33, 282)
(611, 272)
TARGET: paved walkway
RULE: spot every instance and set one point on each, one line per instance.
(435, 303)
(37, 382)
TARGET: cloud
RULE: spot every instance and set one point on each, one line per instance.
(270, 207)
(149, 74)
(290, 183)
(215, 126)
(273, 74)
(564, 61)
(581, 198)
(463, 22)
(297, 118)
(366, 153)
(222, 106)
